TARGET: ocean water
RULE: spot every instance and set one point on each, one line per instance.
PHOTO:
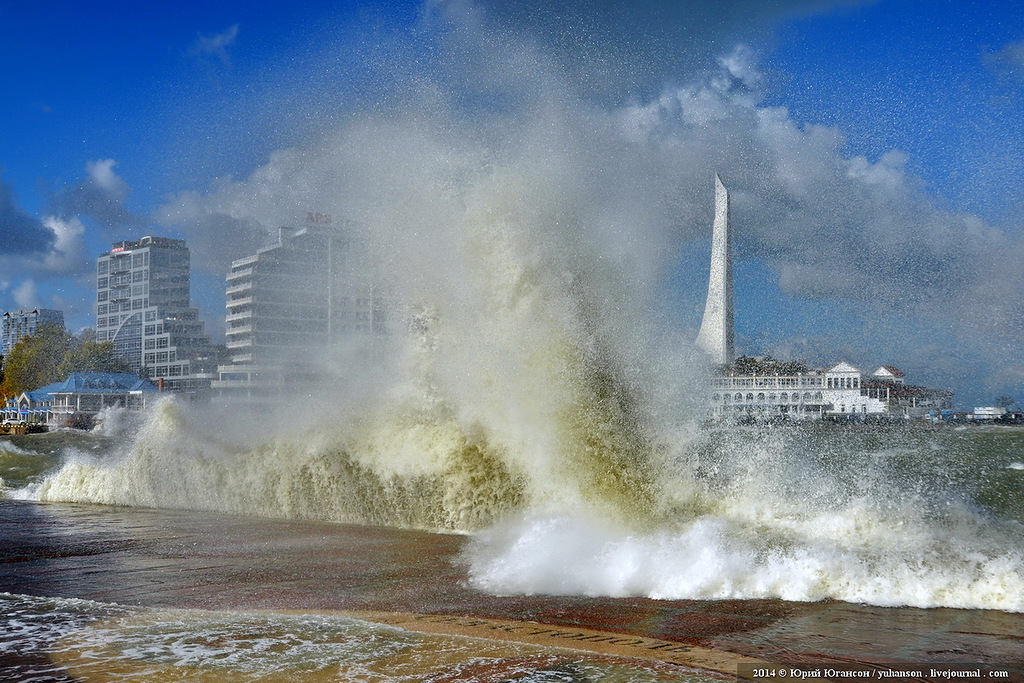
(922, 516)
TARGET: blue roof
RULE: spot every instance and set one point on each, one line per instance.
(44, 394)
(101, 383)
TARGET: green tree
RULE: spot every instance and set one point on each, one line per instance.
(90, 356)
(33, 361)
(1005, 401)
(766, 365)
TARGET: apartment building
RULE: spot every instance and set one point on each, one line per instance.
(288, 303)
(143, 306)
(24, 322)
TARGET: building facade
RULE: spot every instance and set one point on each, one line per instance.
(78, 400)
(288, 303)
(24, 322)
(143, 307)
(839, 392)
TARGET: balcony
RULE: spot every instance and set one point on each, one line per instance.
(245, 286)
(235, 303)
(239, 274)
(244, 261)
(241, 315)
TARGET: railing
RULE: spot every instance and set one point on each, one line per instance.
(230, 317)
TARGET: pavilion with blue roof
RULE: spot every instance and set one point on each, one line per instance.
(77, 400)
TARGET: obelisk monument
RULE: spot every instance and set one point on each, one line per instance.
(716, 334)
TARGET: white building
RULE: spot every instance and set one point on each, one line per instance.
(289, 302)
(839, 392)
(24, 322)
(143, 307)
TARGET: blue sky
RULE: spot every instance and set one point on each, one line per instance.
(874, 149)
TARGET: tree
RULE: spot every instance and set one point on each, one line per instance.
(51, 354)
(1005, 401)
(766, 365)
(33, 361)
(90, 356)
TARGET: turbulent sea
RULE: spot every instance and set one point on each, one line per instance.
(888, 516)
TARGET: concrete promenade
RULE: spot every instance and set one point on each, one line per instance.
(209, 561)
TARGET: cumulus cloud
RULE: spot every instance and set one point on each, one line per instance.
(215, 46)
(220, 227)
(499, 128)
(20, 232)
(101, 197)
(26, 295)
(1011, 57)
(68, 255)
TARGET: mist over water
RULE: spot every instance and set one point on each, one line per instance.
(533, 392)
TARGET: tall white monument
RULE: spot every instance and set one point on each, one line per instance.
(716, 335)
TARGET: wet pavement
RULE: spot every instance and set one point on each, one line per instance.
(208, 561)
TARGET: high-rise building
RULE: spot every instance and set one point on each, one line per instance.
(24, 322)
(289, 302)
(716, 329)
(143, 307)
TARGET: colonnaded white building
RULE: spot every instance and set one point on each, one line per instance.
(839, 392)
(766, 389)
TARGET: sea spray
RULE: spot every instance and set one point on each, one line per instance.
(537, 398)
(824, 517)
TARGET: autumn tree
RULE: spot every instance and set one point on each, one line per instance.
(90, 356)
(51, 354)
(33, 361)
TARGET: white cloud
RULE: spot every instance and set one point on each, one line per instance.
(68, 255)
(26, 295)
(215, 45)
(101, 174)
(1011, 56)
(630, 186)
(101, 196)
